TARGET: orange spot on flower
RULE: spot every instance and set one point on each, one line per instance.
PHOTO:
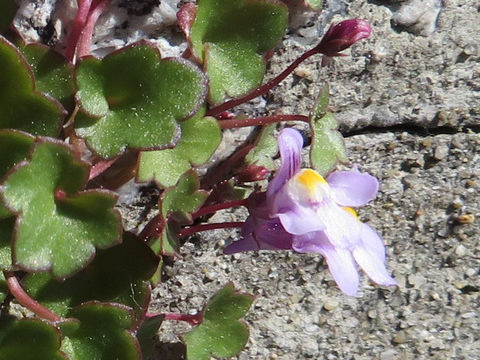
(310, 179)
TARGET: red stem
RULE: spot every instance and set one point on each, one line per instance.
(85, 38)
(236, 123)
(214, 208)
(24, 299)
(191, 319)
(213, 226)
(78, 25)
(263, 88)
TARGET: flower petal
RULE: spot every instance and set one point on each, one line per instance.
(341, 265)
(340, 261)
(352, 188)
(371, 259)
(261, 235)
(247, 243)
(312, 242)
(290, 143)
(373, 241)
(272, 236)
(300, 220)
(342, 229)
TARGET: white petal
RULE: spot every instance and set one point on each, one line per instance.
(342, 266)
(341, 228)
(368, 255)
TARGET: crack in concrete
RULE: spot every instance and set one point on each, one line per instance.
(413, 130)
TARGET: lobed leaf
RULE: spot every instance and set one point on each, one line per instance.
(57, 227)
(177, 204)
(328, 147)
(6, 230)
(265, 149)
(53, 73)
(102, 331)
(22, 107)
(220, 333)
(120, 274)
(231, 37)
(14, 146)
(167, 243)
(321, 104)
(147, 334)
(200, 138)
(180, 201)
(133, 98)
(29, 339)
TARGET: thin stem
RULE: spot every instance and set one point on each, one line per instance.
(263, 88)
(236, 123)
(191, 319)
(213, 226)
(85, 38)
(214, 208)
(24, 299)
(78, 25)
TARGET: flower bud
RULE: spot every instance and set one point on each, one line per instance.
(253, 173)
(343, 35)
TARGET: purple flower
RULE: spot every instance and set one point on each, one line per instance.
(302, 211)
(343, 35)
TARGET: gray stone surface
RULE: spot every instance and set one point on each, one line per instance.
(395, 77)
(419, 70)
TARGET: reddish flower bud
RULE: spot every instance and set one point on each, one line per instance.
(343, 35)
(253, 173)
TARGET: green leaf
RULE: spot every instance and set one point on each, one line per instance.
(3, 288)
(14, 146)
(132, 98)
(101, 333)
(120, 274)
(315, 4)
(58, 227)
(22, 107)
(147, 334)
(265, 149)
(6, 229)
(230, 37)
(321, 105)
(53, 73)
(220, 334)
(200, 137)
(8, 9)
(157, 275)
(328, 146)
(180, 201)
(29, 339)
(176, 205)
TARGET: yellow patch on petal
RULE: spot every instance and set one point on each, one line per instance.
(351, 211)
(310, 179)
